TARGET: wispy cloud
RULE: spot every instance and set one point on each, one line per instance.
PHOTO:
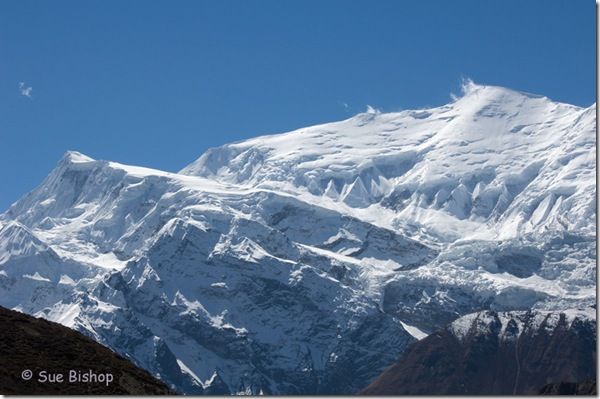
(372, 110)
(344, 105)
(466, 86)
(25, 90)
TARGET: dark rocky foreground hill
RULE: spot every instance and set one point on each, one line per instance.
(570, 388)
(50, 350)
(491, 353)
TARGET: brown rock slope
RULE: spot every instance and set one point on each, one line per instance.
(50, 350)
(495, 353)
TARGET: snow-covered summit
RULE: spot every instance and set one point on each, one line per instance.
(306, 262)
(518, 161)
(75, 157)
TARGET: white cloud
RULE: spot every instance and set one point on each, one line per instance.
(466, 86)
(25, 90)
(372, 110)
(344, 105)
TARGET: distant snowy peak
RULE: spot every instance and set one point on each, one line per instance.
(80, 186)
(520, 161)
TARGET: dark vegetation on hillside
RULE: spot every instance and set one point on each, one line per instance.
(27, 343)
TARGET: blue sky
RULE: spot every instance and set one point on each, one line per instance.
(155, 83)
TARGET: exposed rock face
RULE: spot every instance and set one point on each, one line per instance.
(490, 353)
(48, 349)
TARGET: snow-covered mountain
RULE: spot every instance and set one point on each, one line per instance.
(496, 353)
(509, 161)
(306, 262)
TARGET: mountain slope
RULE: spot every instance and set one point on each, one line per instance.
(41, 346)
(195, 264)
(307, 262)
(515, 161)
(491, 353)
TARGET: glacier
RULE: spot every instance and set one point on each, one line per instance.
(306, 262)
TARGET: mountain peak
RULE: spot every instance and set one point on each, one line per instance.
(492, 136)
(75, 157)
(370, 231)
(496, 94)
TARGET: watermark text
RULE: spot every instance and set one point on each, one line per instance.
(71, 377)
